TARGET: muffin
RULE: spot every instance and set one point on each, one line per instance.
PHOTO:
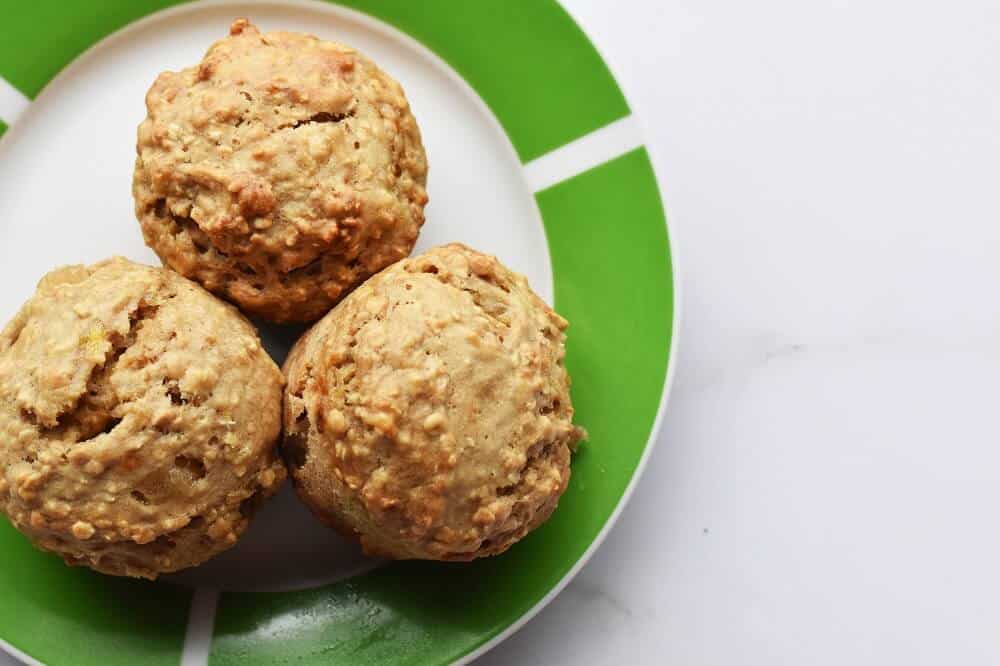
(429, 413)
(280, 172)
(139, 418)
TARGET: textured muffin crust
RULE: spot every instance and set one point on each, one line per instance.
(138, 420)
(429, 413)
(280, 172)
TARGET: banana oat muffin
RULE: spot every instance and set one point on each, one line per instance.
(280, 172)
(138, 420)
(429, 413)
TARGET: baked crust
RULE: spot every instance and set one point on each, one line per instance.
(280, 172)
(138, 419)
(429, 413)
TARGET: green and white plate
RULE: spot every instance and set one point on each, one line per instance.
(535, 157)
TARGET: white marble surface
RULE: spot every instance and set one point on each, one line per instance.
(825, 486)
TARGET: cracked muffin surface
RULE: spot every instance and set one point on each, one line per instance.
(429, 413)
(138, 419)
(280, 172)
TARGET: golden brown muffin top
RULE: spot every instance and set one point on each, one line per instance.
(279, 172)
(430, 410)
(137, 414)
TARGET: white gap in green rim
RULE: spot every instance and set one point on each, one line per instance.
(12, 102)
(201, 624)
(583, 154)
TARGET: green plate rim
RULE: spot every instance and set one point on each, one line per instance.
(527, 140)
